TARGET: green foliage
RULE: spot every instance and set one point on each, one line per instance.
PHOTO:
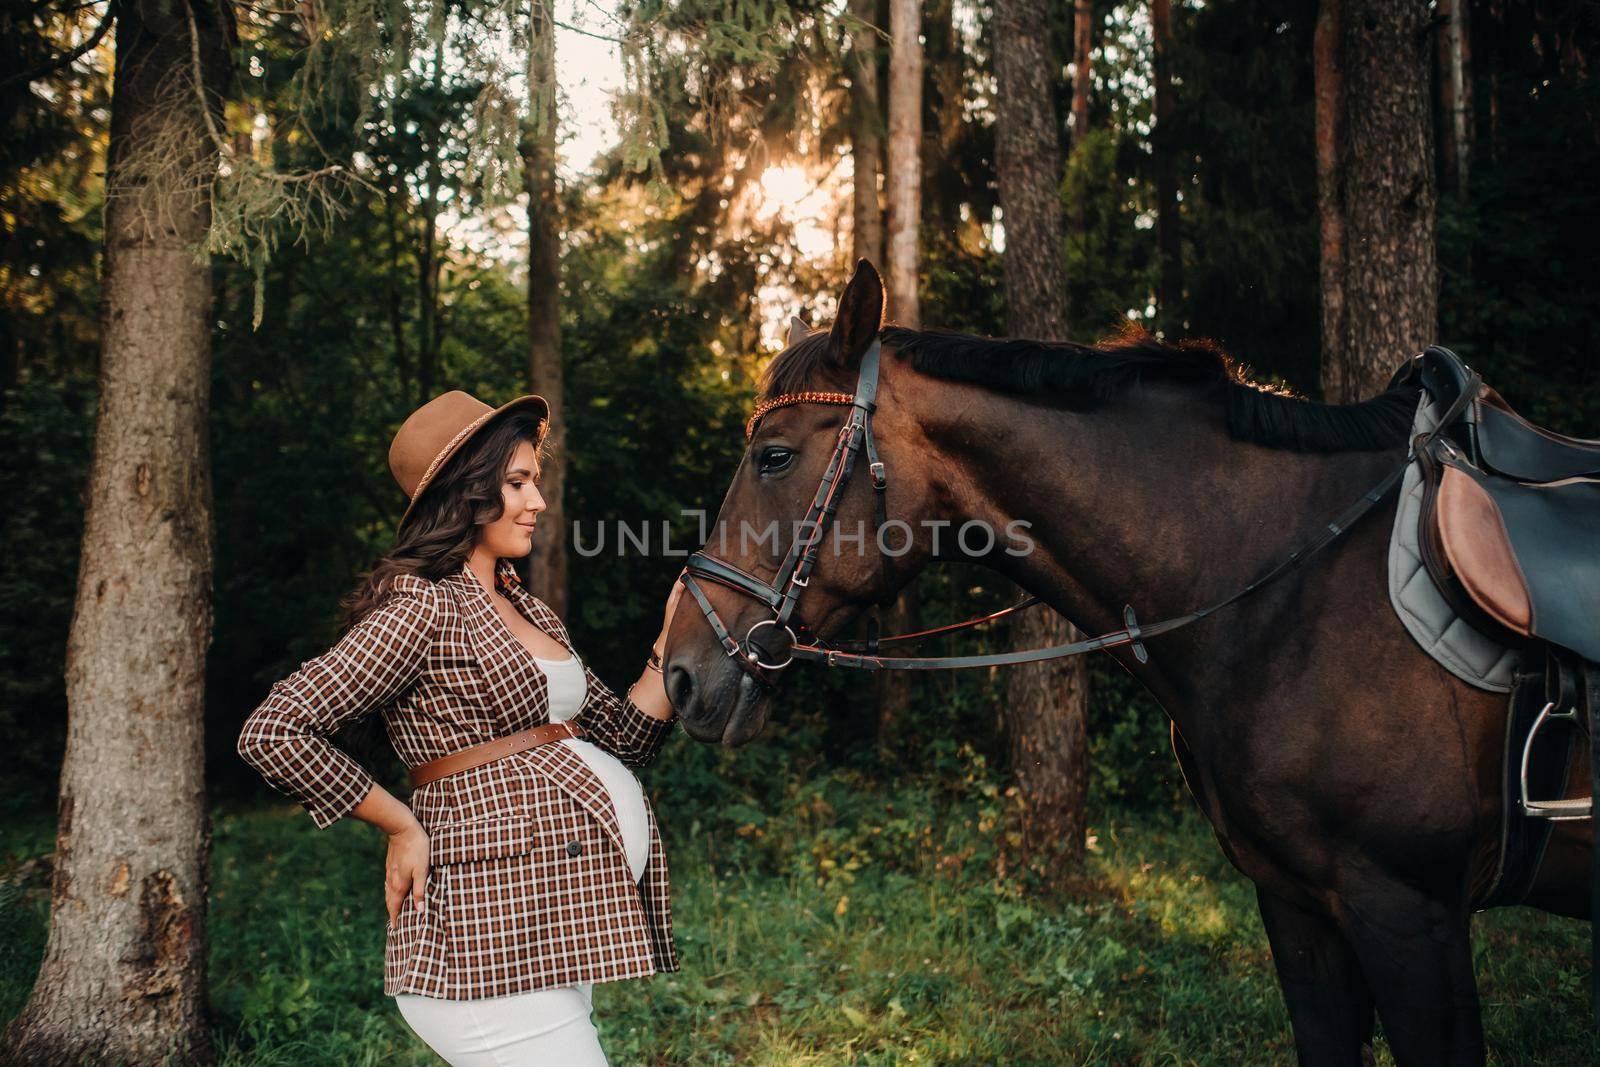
(1517, 282)
(25, 845)
(1242, 130)
(1131, 763)
(1110, 261)
(654, 418)
(51, 424)
(844, 894)
(856, 922)
(740, 73)
(296, 968)
(52, 153)
(302, 413)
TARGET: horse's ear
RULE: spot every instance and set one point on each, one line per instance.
(860, 316)
(797, 330)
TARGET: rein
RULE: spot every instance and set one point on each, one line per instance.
(782, 594)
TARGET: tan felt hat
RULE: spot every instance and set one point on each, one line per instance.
(437, 430)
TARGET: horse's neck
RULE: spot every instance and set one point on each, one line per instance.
(1149, 503)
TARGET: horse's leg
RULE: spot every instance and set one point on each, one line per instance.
(1323, 986)
(1416, 953)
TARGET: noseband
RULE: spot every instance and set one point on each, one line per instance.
(782, 594)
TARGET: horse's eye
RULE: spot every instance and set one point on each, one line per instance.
(775, 458)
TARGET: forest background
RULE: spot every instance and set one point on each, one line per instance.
(865, 884)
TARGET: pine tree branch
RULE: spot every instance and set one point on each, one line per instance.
(71, 57)
(200, 85)
(606, 12)
(587, 33)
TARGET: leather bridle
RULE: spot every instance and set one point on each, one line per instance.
(782, 594)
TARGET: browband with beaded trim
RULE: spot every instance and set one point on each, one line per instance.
(810, 396)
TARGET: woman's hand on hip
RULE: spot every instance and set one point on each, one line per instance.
(406, 869)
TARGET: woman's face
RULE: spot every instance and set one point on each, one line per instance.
(511, 534)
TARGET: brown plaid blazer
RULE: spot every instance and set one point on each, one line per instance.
(529, 884)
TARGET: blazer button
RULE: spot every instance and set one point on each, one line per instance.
(574, 847)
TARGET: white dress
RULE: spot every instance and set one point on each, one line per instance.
(568, 686)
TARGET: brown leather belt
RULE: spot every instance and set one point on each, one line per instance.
(488, 751)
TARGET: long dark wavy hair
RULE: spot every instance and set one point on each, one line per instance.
(435, 540)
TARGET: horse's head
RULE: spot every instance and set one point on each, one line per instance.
(732, 643)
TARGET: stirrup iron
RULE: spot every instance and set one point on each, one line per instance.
(1554, 810)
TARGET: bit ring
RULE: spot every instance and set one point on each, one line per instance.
(757, 662)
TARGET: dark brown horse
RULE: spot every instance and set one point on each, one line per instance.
(1348, 775)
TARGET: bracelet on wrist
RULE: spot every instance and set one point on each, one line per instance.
(654, 662)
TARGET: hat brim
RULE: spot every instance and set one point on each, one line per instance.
(531, 402)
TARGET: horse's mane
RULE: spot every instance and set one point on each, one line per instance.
(1086, 377)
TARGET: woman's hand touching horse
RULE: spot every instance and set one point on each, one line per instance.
(650, 691)
(660, 645)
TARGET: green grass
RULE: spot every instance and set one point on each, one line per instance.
(849, 923)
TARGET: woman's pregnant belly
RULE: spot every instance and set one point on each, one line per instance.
(627, 799)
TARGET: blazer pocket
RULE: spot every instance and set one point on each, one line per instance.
(414, 942)
(482, 839)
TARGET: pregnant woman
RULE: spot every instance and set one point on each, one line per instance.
(527, 865)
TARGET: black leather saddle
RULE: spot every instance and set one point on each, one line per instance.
(1510, 535)
(1496, 436)
(1510, 516)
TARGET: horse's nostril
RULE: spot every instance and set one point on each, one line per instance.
(680, 686)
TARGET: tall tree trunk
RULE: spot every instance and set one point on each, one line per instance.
(1082, 45)
(1169, 239)
(1455, 94)
(866, 135)
(1497, 60)
(548, 565)
(905, 159)
(904, 253)
(1046, 703)
(944, 121)
(1375, 191)
(123, 977)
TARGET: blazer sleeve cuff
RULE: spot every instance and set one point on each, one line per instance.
(326, 781)
(338, 799)
(640, 733)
